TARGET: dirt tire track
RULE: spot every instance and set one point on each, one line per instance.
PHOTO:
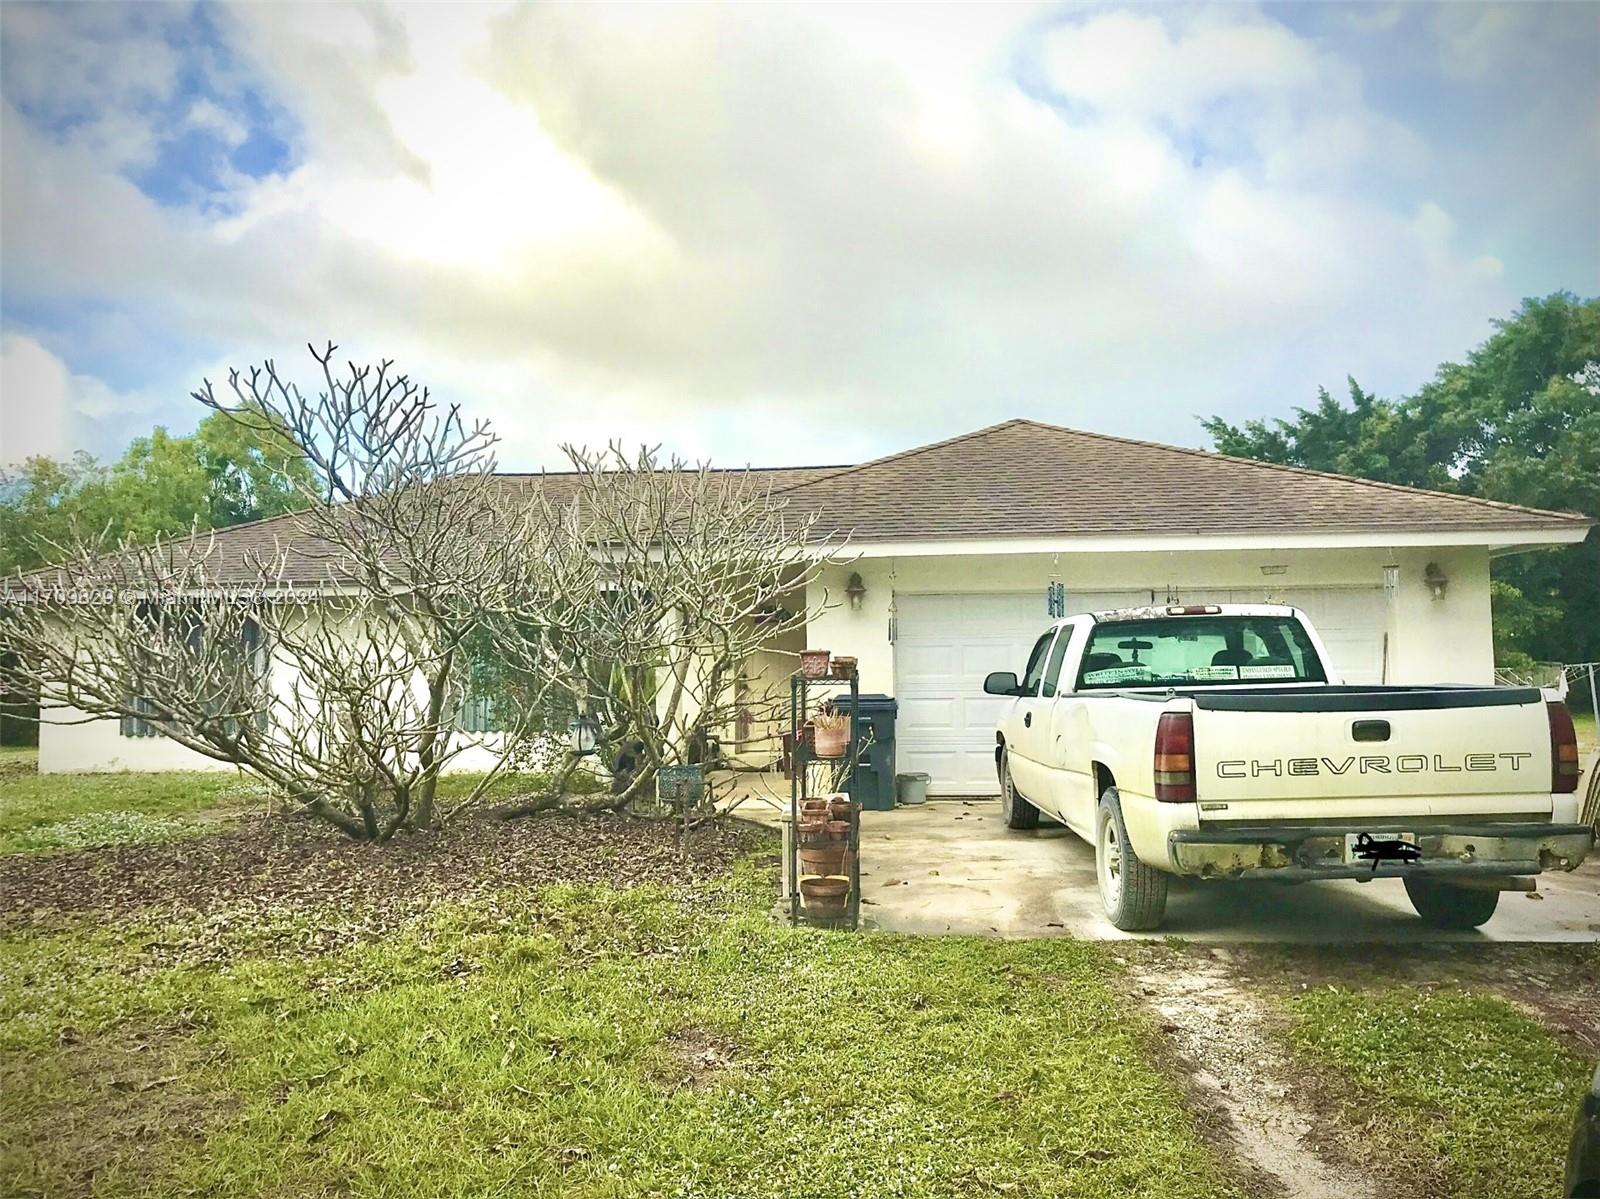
(1224, 1037)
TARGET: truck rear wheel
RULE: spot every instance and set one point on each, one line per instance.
(1017, 812)
(1444, 906)
(1134, 895)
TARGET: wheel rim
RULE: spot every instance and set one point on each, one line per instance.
(1110, 862)
(1006, 789)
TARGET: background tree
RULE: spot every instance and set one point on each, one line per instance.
(225, 473)
(1519, 422)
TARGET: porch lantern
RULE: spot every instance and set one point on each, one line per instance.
(1435, 579)
(856, 590)
(583, 735)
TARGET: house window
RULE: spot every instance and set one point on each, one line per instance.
(137, 726)
(477, 715)
(184, 630)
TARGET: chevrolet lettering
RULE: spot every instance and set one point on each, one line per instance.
(1371, 764)
(1215, 741)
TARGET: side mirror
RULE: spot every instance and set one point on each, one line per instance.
(1002, 682)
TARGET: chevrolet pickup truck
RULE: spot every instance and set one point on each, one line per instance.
(1214, 741)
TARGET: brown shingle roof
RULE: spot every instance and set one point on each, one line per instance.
(235, 550)
(1027, 479)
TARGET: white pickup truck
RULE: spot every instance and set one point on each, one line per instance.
(1214, 741)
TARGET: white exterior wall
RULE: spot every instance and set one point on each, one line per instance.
(1430, 641)
(98, 746)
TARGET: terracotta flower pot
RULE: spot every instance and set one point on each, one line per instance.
(825, 896)
(814, 807)
(832, 743)
(814, 663)
(839, 809)
(844, 667)
(815, 832)
(826, 861)
(838, 830)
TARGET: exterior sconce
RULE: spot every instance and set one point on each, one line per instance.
(1274, 570)
(583, 735)
(855, 589)
(1435, 579)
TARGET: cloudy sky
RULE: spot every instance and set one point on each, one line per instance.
(781, 235)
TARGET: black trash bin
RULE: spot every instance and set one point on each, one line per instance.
(872, 783)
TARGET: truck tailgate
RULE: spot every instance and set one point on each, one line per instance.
(1345, 755)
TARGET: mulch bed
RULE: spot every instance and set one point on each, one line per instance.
(295, 865)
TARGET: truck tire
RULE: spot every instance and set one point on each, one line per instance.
(1134, 895)
(1444, 906)
(1017, 812)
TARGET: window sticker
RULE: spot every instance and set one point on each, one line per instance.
(1210, 674)
(1117, 674)
(1266, 672)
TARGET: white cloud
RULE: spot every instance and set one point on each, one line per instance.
(46, 409)
(785, 234)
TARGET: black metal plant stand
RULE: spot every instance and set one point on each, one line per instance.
(802, 756)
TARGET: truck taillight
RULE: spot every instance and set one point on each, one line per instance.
(1563, 748)
(1175, 757)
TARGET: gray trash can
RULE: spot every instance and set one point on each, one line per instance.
(912, 788)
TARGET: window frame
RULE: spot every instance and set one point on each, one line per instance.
(1039, 655)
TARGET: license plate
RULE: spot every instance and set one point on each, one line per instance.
(1377, 846)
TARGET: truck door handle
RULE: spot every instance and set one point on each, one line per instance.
(1027, 720)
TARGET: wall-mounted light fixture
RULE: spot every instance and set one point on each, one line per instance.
(855, 590)
(1275, 570)
(1435, 579)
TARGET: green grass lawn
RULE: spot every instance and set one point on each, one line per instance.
(74, 811)
(1455, 1083)
(586, 1043)
(1583, 721)
(54, 811)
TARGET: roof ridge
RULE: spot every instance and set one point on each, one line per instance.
(716, 470)
(911, 453)
(1215, 456)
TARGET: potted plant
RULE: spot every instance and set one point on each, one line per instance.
(831, 733)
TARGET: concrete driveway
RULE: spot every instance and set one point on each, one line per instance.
(951, 866)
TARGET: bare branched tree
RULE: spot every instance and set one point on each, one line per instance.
(334, 659)
(333, 662)
(670, 591)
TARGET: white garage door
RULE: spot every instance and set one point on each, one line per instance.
(945, 644)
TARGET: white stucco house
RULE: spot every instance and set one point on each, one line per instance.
(957, 542)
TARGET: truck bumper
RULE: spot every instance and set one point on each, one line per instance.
(1291, 853)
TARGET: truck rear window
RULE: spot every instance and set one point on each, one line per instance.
(1213, 651)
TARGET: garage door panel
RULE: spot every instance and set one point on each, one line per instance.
(917, 714)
